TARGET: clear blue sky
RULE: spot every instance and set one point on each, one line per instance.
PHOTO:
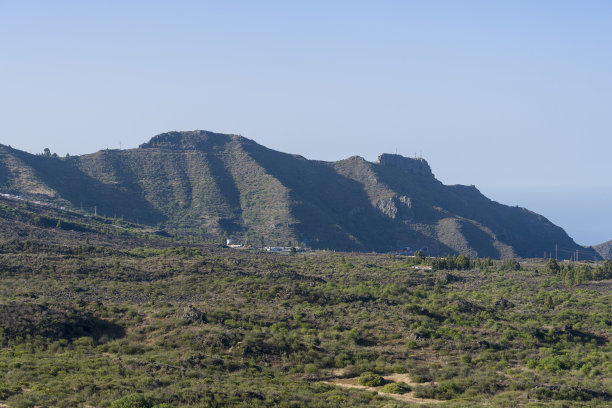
(504, 95)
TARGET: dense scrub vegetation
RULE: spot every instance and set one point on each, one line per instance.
(85, 325)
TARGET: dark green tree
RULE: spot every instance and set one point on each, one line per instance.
(553, 266)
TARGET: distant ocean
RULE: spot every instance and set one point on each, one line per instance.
(584, 213)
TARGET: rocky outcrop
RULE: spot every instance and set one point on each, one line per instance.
(396, 207)
(192, 315)
(605, 249)
(407, 165)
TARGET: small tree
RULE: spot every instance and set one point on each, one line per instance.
(510, 264)
(462, 262)
(553, 266)
(549, 302)
(438, 285)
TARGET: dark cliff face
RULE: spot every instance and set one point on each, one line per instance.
(213, 184)
(410, 166)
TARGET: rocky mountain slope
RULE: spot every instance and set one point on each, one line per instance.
(604, 250)
(212, 185)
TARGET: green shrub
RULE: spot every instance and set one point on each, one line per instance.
(411, 345)
(8, 390)
(560, 393)
(396, 388)
(510, 264)
(420, 377)
(553, 266)
(428, 392)
(370, 379)
(448, 390)
(132, 401)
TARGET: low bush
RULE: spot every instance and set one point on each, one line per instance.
(8, 390)
(396, 388)
(132, 401)
(561, 393)
(370, 379)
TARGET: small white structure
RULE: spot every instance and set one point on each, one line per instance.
(278, 249)
(230, 244)
(286, 249)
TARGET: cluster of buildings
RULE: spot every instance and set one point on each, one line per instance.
(18, 197)
(15, 197)
(286, 249)
(231, 244)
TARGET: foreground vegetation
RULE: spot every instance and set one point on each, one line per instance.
(98, 326)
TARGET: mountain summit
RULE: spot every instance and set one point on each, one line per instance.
(213, 184)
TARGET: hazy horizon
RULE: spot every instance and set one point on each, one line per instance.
(582, 213)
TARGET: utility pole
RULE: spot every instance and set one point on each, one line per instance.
(556, 257)
(95, 210)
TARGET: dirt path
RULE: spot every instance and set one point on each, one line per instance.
(408, 397)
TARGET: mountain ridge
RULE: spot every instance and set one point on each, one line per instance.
(604, 249)
(213, 185)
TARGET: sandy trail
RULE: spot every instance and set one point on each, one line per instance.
(408, 397)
